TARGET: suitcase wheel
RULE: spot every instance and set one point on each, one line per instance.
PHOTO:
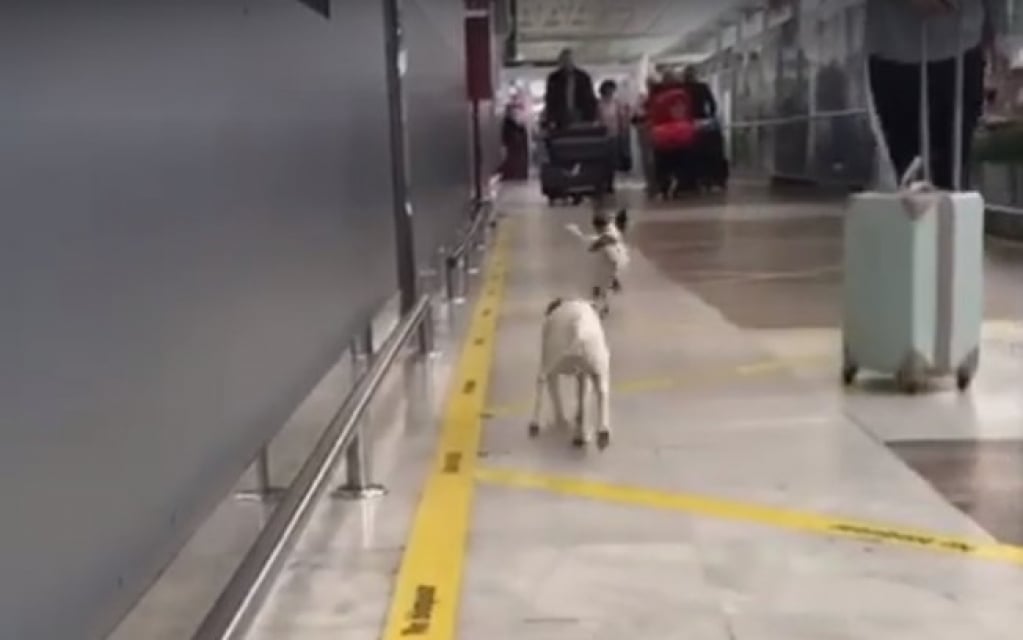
(964, 377)
(849, 372)
(907, 383)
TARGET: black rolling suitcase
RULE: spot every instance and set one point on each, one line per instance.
(574, 182)
(580, 162)
(713, 163)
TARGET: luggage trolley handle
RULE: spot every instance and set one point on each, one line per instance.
(925, 111)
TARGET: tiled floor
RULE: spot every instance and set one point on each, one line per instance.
(725, 363)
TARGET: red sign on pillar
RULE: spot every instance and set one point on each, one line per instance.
(479, 59)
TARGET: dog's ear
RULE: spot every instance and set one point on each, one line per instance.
(554, 304)
(599, 222)
(622, 220)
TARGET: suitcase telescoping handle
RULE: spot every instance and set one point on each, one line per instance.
(925, 111)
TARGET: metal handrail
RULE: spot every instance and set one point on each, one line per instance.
(1004, 208)
(238, 602)
(471, 234)
(456, 258)
(816, 115)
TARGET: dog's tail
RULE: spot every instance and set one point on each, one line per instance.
(576, 231)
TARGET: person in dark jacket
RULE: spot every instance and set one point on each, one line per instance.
(569, 98)
(515, 142)
(709, 162)
(701, 97)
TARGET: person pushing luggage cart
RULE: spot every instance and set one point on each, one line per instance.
(673, 133)
(710, 164)
(579, 161)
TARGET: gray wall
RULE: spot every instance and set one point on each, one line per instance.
(195, 211)
(438, 120)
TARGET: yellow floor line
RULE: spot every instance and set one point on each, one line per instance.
(427, 591)
(705, 377)
(792, 520)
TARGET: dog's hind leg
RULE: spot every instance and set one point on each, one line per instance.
(579, 436)
(534, 425)
(554, 389)
(602, 386)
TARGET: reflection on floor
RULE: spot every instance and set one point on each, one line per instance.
(983, 478)
(741, 268)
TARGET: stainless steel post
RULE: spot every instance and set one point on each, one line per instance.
(367, 345)
(450, 263)
(264, 490)
(357, 485)
(461, 276)
(425, 334)
(473, 254)
(361, 351)
(485, 226)
(263, 471)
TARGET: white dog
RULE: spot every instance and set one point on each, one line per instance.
(574, 345)
(611, 255)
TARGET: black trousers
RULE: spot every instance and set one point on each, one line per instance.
(673, 167)
(895, 88)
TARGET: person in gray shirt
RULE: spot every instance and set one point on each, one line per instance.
(894, 33)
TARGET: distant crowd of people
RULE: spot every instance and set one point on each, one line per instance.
(571, 100)
(973, 30)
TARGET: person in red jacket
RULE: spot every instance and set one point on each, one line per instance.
(672, 133)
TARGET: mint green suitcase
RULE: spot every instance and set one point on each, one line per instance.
(914, 278)
(914, 287)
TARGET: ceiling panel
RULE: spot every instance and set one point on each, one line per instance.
(610, 30)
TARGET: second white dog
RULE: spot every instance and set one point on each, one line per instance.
(611, 254)
(574, 344)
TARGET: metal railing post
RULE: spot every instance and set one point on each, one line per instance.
(484, 238)
(357, 485)
(473, 254)
(467, 270)
(265, 491)
(263, 480)
(454, 278)
(357, 473)
(362, 350)
(449, 278)
(461, 270)
(463, 261)
(424, 334)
